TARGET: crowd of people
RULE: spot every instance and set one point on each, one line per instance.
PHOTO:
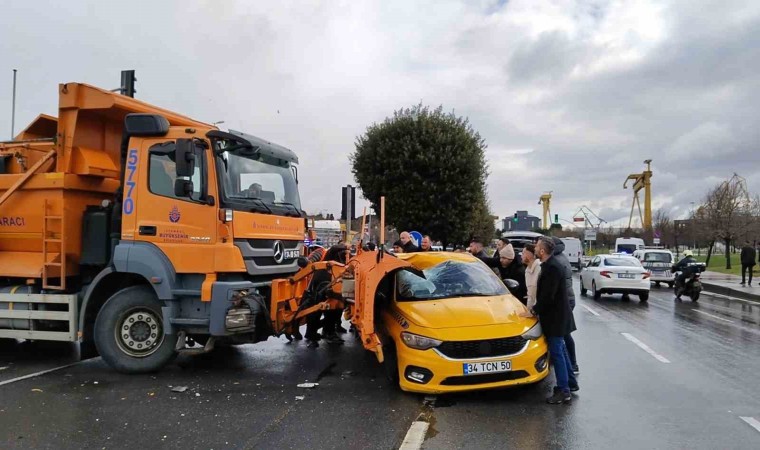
(543, 282)
(545, 285)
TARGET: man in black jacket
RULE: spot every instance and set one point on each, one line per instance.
(748, 261)
(510, 266)
(408, 243)
(559, 248)
(556, 317)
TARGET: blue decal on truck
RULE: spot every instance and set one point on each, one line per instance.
(129, 202)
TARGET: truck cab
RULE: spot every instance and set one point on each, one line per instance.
(144, 231)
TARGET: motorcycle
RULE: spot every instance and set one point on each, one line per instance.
(687, 281)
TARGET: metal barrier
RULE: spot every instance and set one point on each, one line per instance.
(30, 316)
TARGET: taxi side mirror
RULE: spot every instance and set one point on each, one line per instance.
(512, 285)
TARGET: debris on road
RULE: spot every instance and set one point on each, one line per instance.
(36, 390)
(300, 397)
(3, 368)
(308, 385)
(179, 388)
(197, 394)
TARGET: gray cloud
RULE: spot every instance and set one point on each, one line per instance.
(570, 96)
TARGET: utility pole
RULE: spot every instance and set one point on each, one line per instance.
(13, 107)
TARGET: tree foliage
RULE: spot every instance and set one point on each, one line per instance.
(431, 168)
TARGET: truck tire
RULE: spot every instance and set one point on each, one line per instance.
(129, 332)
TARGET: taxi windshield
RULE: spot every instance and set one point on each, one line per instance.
(449, 279)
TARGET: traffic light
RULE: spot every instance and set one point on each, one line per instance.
(556, 218)
(128, 83)
(515, 218)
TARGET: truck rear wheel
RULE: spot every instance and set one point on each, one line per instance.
(129, 332)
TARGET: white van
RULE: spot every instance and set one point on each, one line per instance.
(628, 245)
(573, 251)
(657, 261)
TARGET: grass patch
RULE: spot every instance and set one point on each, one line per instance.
(718, 263)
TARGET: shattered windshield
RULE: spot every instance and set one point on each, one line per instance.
(259, 177)
(449, 279)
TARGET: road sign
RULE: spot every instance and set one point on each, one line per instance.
(656, 241)
(579, 219)
(416, 237)
(589, 235)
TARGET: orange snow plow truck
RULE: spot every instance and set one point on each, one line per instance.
(141, 233)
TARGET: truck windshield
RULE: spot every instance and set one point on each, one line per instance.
(449, 279)
(249, 177)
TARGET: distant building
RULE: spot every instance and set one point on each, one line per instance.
(524, 222)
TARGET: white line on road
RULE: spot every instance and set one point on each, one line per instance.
(713, 316)
(646, 348)
(36, 374)
(415, 436)
(751, 421)
(590, 310)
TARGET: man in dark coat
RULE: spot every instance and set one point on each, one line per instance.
(408, 243)
(559, 248)
(510, 267)
(748, 261)
(477, 248)
(556, 317)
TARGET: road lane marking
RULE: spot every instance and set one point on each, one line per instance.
(590, 310)
(751, 421)
(646, 348)
(36, 374)
(415, 436)
(713, 316)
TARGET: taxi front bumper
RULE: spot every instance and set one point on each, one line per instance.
(432, 372)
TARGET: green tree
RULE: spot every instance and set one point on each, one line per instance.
(431, 168)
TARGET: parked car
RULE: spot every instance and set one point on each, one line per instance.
(449, 324)
(615, 274)
(518, 239)
(658, 262)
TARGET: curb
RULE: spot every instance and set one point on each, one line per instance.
(731, 292)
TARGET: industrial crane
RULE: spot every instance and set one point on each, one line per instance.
(546, 200)
(642, 181)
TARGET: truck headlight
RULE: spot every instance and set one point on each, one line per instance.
(419, 342)
(534, 333)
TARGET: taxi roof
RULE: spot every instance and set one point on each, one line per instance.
(423, 260)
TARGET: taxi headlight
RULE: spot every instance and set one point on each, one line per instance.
(534, 333)
(419, 342)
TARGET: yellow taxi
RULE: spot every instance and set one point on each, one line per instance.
(448, 324)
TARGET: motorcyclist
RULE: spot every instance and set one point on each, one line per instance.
(683, 267)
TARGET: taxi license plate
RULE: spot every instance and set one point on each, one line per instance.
(477, 368)
(628, 276)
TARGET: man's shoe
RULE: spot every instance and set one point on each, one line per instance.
(576, 370)
(575, 388)
(741, 284)
(559, 397)
(312, 344)
(334, 339)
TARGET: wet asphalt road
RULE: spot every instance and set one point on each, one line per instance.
(689, 390)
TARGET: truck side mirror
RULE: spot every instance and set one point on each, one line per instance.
(183, 188)
(185, 157)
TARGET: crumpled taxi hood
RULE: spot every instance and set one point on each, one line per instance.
(464, 312)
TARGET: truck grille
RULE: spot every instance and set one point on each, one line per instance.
(482, 349)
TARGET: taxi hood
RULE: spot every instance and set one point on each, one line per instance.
(464, 311)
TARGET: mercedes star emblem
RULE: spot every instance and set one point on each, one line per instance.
(279, 252)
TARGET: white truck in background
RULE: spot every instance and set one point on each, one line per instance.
(573, 251)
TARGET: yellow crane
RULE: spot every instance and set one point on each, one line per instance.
(546, 200)
(642, 181)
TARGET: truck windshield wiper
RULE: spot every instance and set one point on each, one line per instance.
(260, 202)
(295, 208)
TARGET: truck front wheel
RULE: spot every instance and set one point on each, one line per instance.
(129, 332)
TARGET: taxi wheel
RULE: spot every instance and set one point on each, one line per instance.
(390, 365)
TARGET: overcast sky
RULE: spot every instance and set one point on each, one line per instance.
(571, 96)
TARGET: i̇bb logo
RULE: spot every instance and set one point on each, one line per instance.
(174, 215)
